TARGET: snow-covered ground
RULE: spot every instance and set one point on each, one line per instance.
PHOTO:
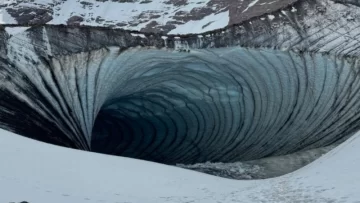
(40, 173)
(5, 18)
(165, 16)
(211, 22)
(178, 16)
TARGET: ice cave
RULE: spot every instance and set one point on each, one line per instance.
(275, 85)
(220, 105)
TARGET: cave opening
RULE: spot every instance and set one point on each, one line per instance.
(225, 105)
(169, 115)
(207, 105)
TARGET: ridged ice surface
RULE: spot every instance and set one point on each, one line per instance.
(223, 104)
(284, 82)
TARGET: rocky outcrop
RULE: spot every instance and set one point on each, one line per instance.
(75, 20)
(147, 16)
(30, 15)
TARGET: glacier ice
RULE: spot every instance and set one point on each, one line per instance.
(259, 89)
(224, 104)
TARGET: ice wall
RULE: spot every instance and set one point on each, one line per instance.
(276, 84)
(223, 104)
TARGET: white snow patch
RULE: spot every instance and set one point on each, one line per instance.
(138, 35)
(5, 18)
(271, 17)
(267, 3)
(251, 4)
(15, 30)
(208, 23)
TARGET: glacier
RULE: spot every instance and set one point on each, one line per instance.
(240, 93)
(178, 106)
(281, 82)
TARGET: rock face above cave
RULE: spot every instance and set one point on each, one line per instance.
(165, 16)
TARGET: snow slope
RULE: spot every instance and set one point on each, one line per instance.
(175, 16)
(37, 172)
(156, 15)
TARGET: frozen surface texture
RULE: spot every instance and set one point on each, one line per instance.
(245, 92)
(225, 104)
(42, 173)
(282, 82)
